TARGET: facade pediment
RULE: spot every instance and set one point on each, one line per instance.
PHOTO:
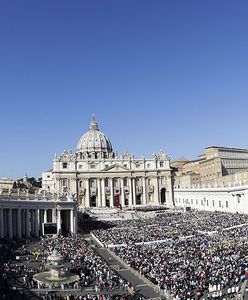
(116, 168)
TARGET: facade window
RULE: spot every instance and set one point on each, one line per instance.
(125, 181)
(64, 182)
(137, 165)
(196, 201)
(92, 166)
(148, 166)
(48, 176)
(106, 180)
(226, 204)
(64, 165)
(219, 203)
(80, 166)
(161, 164)
(213, 203)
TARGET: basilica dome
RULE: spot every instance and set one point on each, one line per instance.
(94, 143)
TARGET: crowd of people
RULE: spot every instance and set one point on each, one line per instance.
(167, 226)
(205, 254)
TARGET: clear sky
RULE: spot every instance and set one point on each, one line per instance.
(157, 74)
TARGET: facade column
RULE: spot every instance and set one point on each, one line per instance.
(99, 193)
(87, 199)
(19, 222)
(130, 201)
(10, 224)
(156, 191)
(103, 192)
(27, 223)
(37, 222)
(122, 192)
(59, 221)
(1, 224)
(134, 191)
(144, 192)
(111, 192)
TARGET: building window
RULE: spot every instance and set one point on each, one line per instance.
(213, 203)
(92, 166)
(80, 166)
(161, 164)
(226, 204)
(148, 166)
(137, 165)
(219, 203)
(64, 165)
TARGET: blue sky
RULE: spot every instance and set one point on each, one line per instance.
(157, 74)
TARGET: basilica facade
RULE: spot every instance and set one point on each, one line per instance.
(100, 178)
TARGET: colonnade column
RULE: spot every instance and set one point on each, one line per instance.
(122, 192)
(134, 191)
(54, 215)
(72, 229)
(130, 202)
(37, 222)
(144, 191)
(99, 192)
(87, 199)
(1, 224)
(27, 223)
(103, 192)
(23, 218)
(19, 222)
(45, 215)
(59, 221)
(111, 192)
(10, 224)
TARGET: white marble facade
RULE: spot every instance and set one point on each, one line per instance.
(99, 177)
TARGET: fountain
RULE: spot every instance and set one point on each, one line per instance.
(56, 277)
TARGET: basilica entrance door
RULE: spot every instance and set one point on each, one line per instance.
(93, 201)
(163, 195)
(117, 201)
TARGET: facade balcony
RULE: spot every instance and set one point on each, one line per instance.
(82, 191)
(139, 190)
(93, 191)
(150, 188)
(107, 190)
(126, 189)
(117, 191)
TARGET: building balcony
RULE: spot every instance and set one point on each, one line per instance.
(107, 190)
(139, 190)
(117, 191)
(82, 191)
(150, 188)
(93, 191)
(126, 189)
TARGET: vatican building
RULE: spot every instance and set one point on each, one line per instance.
(98, 177)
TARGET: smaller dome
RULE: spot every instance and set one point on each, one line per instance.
(94, 141)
